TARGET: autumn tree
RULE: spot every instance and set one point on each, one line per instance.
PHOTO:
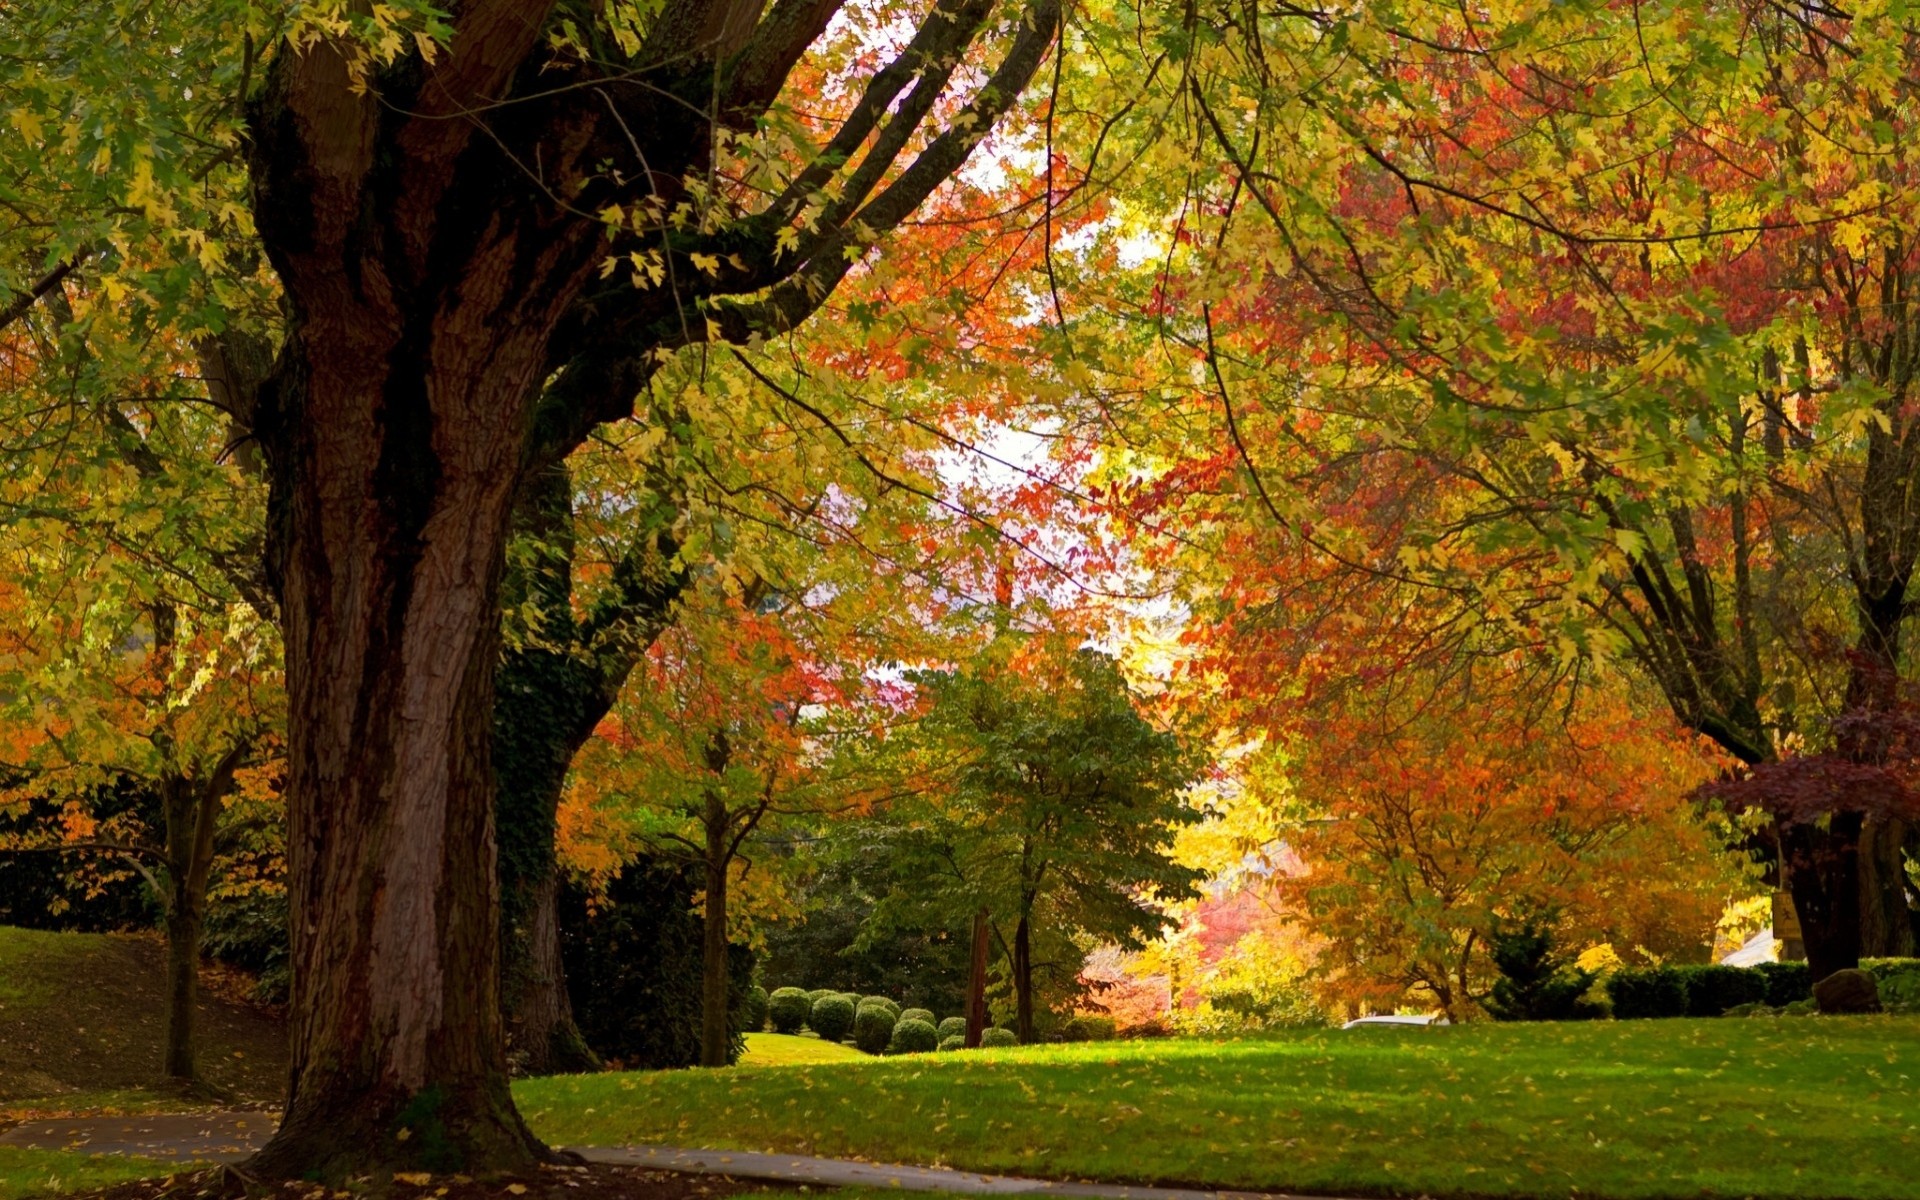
(140, 656)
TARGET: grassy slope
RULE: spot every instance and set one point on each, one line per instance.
(787, 1050)
(84, 1013)
(1799, 1108)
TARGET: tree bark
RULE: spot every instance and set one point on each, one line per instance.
(1023, 980)
(713, 951)
(545, 1035)
(1823, 874)
(183, 969)
(977, 983)
(1886, 919)
(432, 225)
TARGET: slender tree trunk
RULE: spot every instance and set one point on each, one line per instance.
(1023, 980)
(184, 921)
(544, 1031)
(714, 1032)
(977, 983)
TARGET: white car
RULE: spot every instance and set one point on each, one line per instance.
(1433, 1019)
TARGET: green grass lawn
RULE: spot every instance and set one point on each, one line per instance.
(1789, 1108)
(42, 1172)
(787, 1050)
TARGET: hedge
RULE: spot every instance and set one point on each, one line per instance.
(1786, 982)
(1653, 992)
(1711, 991)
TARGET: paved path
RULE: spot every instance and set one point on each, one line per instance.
(231, 1136)
(182, 1137)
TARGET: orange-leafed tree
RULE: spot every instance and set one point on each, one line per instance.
(1420, 831)
(728, 732)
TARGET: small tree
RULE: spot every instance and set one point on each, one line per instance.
(1047, 797)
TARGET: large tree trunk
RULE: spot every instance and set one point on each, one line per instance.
(1822, 871)
(714, 1031)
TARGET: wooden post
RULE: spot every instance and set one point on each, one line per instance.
(977, 983)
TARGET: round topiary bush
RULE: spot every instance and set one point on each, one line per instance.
(919, 1014)
(755, 1005)
(913, 1037)
(999, 1037)
(953, 1027)
(893, 1010)
(818, 994)
(788, 1008)
(873, 1028)
(832, 1017)
(955, 1042)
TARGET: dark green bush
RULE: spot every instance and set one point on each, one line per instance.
(1084, 1028)
(919, 1014)
(954, 1041)
(633, 961)
(756, 1001)
(1787, 982)
(881, 1001)
(788, 1008)
(832, 1017)
(1536, 984)
(999, 1037)
(818, 994)
(1651, 992)
(913, 1037)
(872, 1028)
(1711, 991)
(953, 1027)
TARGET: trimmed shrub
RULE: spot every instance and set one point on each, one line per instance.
(818, 994)
(913, 1037)
(918, 1014)
(872, 1028)
(1886, 970)
(953, 1027)
(1787, 982)
(1711, 991)
(756, 1001)
(999, 1037)
(1082, 1027)
(788, 1008)
(953, 1042)
(880, 1001)
(1653, 992)
(832, 1017)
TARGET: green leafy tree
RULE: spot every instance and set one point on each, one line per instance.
(1049, 800)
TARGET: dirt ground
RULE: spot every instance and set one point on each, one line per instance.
(85, 1013)
(547, 1183)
